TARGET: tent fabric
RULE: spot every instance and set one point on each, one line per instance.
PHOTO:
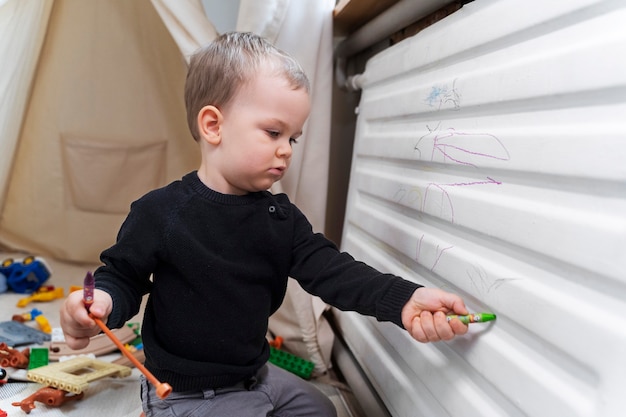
(23, 26)
(266, 18)
(187, 23)
(106, 123)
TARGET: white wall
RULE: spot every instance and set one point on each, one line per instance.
(489, 161)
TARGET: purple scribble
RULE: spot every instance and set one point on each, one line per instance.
(458, 146)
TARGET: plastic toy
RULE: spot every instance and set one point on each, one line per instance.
(38, 357)
(43, 323)
(14, 333)
(277, 342)
(3, 413)
(291, 363)
(3, 283)
(13, 358)
(25, 275)
(74, 375)
(26, 316)
(43, 294)
(163, 389)
(50, 396)
(123, 360)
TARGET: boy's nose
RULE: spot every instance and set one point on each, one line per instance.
(284, 151)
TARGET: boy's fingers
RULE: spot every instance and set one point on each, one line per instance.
(458, 327)
(76, 343)
(444, 331)
(417, 332)
(428, 325)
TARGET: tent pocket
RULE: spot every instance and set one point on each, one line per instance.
(105, 176)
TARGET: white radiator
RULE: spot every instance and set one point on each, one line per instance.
(490, 161)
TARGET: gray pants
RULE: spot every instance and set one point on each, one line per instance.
(271, 392)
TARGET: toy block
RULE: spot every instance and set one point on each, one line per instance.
(74, 375)
(38, 358)
(291, 363)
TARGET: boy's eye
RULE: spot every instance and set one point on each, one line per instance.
(293, 141)
(273, 133)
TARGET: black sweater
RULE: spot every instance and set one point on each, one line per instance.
(219, 265)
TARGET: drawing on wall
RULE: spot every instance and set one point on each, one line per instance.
(458, 147)
(483, 283)
(463, 148)
(448, 145)
(438, 253)
(444, 205)
(443, 96)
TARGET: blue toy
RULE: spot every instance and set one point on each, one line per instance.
(3, 283)
(25, 275)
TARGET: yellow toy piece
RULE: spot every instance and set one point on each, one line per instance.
(43, 323)
(43, 295)
(74, 375)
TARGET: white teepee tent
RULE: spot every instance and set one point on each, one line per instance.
(92, 113)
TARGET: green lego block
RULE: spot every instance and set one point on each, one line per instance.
(291, 363)
(38, 357)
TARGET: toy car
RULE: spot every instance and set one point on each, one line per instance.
(25, 275)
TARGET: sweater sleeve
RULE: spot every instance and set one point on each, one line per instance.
(128, 264)
(344, 282)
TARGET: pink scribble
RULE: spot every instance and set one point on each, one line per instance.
(457, 146)
(446, 200)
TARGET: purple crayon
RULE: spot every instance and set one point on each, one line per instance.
(89, 284)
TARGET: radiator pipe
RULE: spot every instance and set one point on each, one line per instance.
(398, 16)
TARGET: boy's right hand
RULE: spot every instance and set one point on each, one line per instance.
(77, 326)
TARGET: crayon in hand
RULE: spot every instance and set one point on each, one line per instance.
(473, 318)
(89, 285)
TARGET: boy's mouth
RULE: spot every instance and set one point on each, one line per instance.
(278, 171)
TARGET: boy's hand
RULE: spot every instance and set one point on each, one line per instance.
(77, 326)
(424, 315)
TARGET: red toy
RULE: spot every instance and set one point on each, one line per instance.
(50, 396)
(12, 358)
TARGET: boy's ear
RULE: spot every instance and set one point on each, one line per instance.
(209, 124)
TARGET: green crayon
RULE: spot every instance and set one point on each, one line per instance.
(473, 318)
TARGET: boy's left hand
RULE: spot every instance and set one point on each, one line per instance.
(424, 315)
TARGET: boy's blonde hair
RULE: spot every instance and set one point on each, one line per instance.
(219, 70)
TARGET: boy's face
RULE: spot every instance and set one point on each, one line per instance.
(258, 130)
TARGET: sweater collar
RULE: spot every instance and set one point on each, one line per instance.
(199, 187)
